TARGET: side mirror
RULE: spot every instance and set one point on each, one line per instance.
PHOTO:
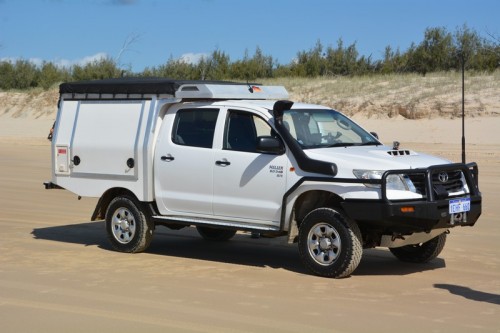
(374, 134)
(270, 145)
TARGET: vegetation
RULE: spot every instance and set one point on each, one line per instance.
(409, 95)
(439, 51)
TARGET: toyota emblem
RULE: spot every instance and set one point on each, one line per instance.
(443, 177)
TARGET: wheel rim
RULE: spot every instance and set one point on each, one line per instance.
(323, 242)
(123, 225)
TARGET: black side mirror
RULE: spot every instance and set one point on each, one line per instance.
(270, 145)
(374, 134)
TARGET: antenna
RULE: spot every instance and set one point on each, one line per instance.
(463, 107)
(250, 88)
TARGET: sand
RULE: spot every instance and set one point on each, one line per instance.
(59, 274)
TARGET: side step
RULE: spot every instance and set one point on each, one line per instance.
(165, 220)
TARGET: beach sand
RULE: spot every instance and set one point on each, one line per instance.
(59, 274)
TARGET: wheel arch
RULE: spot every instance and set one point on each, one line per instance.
(307, 202)
(313, 199)
(106, 198)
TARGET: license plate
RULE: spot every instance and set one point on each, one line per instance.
(459, 205)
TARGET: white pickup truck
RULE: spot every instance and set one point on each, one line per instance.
(227, 157)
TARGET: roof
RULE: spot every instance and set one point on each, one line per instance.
(269, 104)
(132, 85)
(185, 89)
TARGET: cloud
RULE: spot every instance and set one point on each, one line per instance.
(85, 60)
(192, 58)
(61, 62)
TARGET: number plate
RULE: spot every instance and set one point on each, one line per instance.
(459, 205)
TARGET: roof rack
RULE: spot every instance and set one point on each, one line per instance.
(187, 89)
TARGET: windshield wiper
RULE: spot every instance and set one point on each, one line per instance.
(341, 144)
(349, 144)
(371, 143)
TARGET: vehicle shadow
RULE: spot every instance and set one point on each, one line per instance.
(469, 293)
(87, 234)
(380, 261)
(242, 249)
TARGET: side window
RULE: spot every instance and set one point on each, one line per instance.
(242, 130)
(195, 127)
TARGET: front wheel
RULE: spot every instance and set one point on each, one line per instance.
(128, 229)
(330, 245)
(420, 253)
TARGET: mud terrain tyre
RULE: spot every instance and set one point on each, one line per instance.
(330, 245)
(128, 229)
(420, 253)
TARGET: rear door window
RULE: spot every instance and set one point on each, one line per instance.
(195, 127)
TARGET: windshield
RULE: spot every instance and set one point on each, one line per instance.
(324, 128)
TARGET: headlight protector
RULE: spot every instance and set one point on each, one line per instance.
(397, 182)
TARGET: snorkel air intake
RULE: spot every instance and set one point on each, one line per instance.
(305, 163)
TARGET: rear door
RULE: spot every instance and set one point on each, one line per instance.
(184, 161)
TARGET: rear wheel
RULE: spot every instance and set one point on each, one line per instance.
(420, 253)
(128, 229)
(330, 245)
(214, 234)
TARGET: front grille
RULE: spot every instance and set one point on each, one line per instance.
(418, 180)
(451, 181)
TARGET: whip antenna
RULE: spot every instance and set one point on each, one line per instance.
(463, 107)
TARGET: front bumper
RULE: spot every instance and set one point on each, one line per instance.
(408, 216)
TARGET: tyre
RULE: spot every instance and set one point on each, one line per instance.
(330, 245)
(217, 235)
(420, 253)
(128, 229)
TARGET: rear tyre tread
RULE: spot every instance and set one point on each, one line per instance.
(144, 226)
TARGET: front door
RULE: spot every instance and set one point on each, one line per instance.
(248, 184)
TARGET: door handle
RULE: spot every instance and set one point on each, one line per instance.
(224, 162)
(167, 158)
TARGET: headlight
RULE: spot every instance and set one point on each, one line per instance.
(369, 174)
(397, 182)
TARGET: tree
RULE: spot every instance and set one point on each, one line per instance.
(215, 67)
(259, 66)
(438, 49)
(104, 68)
(6, 75)
(25, 75)
(467, 45)
(50, 75)
(343, 60)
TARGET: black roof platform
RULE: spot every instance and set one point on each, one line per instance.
(134, 85)
(145, 88)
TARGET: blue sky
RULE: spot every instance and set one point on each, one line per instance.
(75, 31)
